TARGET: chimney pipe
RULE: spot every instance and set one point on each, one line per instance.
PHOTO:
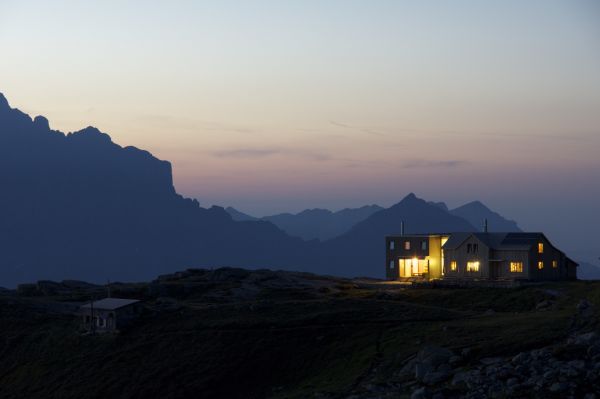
(402, 227)
(485, 225)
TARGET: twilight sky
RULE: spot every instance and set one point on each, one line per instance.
(275, 106)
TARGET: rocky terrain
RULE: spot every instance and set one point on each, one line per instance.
(237, 333)
(567, 369)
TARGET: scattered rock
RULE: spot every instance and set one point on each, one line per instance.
(544, 305)
(444, 367)
(549, 375)
(421, 369)
(593, 350)
(583, 339)
(568, 368)
(583, 305)
(520, 358)
(511, 382)
(577, 364)
(491, 360)
(552, 293)
(454, 360)
(435, 377)
(559, 387)
(434, 355)
(419, 393)
(408, 370)
(459, 378)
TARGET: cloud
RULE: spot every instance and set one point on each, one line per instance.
(338, 124)
(359, 128)
(260, 153)
(252, 153)
(427, 163)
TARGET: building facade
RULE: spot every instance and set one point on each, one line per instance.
(476, 256)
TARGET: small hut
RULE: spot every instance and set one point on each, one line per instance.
(109, 314)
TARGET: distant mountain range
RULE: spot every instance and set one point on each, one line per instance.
(321, 224)
(475, 213)
(324, 224)
(78, 206)
(356, 249)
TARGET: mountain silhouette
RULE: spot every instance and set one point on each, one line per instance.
(239, 216)
(588, 271)
(321, 224)
(311, 224)
(475, 213)
(78, 205)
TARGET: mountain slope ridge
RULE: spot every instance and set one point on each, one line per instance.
(79, 206)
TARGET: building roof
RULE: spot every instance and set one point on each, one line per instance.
(110, 303)
(499, 241)
(456, 239)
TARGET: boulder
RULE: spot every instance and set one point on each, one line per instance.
(559, 387)
(583, 339)
(544, 305)
(419, 393)
(435, 377)
(434, 355)
(422, 369)
(491, 360)
(520, 358)
(583, 305)
(511, 382)
(459, 378)
(454, 360)
(577, 364)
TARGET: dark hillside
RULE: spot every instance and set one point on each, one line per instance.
(253, 334)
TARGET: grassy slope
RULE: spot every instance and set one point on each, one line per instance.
(284, 344)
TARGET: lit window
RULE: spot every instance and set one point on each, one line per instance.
(472, 266)
(423, 245)
(391, 264)
(516, 267)
(554, 264)
(453, 266)
(407, 245)
(392, 245)
(541, 248)
(540, 265)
